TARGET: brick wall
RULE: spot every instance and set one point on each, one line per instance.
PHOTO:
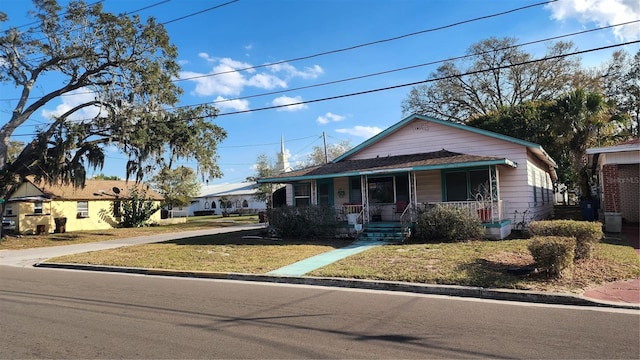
(611, 188)
(629, 189)
(621, 190)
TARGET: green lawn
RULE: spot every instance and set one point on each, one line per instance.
(478, 263)
(77, 237)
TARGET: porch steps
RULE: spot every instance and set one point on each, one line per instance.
(567, 212)
(382, 231)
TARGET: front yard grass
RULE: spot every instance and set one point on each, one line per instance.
(228, 252)
(12, 242)
(489, 264)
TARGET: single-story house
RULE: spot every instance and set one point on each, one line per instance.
(239, 198)
(617, 169)
(39, 208)
(422, 161)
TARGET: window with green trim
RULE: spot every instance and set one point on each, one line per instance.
(302, 194)
(355, 191)
(463, 185)
(381, 190)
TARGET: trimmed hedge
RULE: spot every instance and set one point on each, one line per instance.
(310, 222)
(448, 224)
(586, 233)
(553, 254)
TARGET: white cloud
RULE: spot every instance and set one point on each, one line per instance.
(291, 71)
(266, 81)
(286, 100)
(232, 76)
(602, 12)
(234, 105)
(71, 100)
(362, 131)
(329, 117)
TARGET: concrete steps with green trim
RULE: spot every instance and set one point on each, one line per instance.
(382, 231)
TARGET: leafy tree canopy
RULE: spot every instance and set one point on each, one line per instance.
(127, 66)
(178, 186)
(317, 155)
(264, 168)
(621, 84)
(565, 127)
(106, 177)
(500, 74)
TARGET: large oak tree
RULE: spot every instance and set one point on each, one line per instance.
(495, 74)
(127, 67)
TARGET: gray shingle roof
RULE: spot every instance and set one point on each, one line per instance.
(380, 164)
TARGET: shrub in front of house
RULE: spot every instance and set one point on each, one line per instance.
(303, 223)
(553, 254)
(586, 233)
(448, 224)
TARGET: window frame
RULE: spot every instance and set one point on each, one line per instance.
(80, 212)
(38, 207)
(297, 198)
(468, 182)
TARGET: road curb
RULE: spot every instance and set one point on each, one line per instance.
(447, 290)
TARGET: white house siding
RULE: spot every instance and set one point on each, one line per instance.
(340, 184)
(429, 186)
(289, 193)
(627, 157)
(421, 136)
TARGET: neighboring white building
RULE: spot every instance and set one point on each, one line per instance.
(239, 195)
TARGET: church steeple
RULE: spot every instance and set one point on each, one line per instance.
(283, 162)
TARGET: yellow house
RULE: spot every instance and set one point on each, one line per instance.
(42, 208)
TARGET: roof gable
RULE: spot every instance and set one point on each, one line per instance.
(93, 190)
(442, 159)
(535, 148)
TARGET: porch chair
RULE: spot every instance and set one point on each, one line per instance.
(400, 206)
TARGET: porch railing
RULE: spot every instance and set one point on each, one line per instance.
(486, 211)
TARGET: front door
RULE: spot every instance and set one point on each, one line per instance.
(325, 192)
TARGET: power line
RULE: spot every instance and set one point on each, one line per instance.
(428, 80)
(353, 47)
(412, 66)
(411, 83)
(148, 7)
(200, 12)
(35, 22)
(346, 48)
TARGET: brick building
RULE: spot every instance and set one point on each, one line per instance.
(618, 171)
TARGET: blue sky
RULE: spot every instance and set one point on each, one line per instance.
(249, 33)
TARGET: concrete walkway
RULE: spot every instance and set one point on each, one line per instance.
(29, 257)
(315, 262)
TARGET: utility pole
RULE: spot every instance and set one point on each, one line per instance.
(324, 139)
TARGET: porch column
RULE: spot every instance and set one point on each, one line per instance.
(413, 194)
(314, 193)
(364, 190)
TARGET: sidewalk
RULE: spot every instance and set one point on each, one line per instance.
(29, 257)
(626, 292)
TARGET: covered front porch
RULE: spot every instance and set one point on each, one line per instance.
(397, 189)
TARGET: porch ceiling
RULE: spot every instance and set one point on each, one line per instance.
(442, 159)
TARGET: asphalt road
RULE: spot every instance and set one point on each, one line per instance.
(48, 313)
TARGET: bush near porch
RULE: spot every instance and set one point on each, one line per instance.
(448, 224)
(311, 222)
(586, 233)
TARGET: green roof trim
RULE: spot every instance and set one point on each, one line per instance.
(411, 117)
(506, 162)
